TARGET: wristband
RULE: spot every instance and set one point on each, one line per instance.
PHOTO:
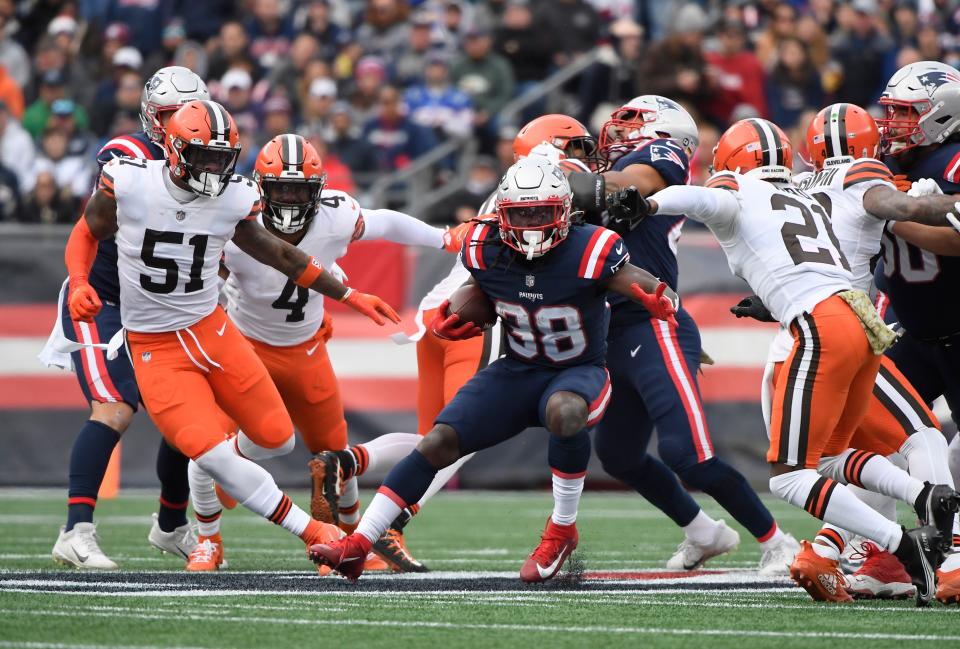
(309, 274)
(346, 294)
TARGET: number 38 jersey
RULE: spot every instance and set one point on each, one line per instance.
(168, 251)
(268, 306)
(553, 308)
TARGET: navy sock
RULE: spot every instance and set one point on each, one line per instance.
(657, 483)
(174, 488)
(730, 489)
(88, 462)
(410, 477)
(569, 454)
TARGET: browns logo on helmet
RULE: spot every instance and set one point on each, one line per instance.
(202, 145)
(291, 177)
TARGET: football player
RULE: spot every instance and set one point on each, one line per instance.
(653, 365)
(857, 193)
(109, 386)
(758, 216)
(548, 280)
(288, 329)
(172, 219)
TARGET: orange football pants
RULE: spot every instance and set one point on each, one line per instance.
(304, 377)
(824, 393)
(187, 376)
(443, 367)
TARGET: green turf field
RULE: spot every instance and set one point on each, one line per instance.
(475, 543)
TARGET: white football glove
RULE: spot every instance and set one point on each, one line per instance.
(924, 187)
(548, 151)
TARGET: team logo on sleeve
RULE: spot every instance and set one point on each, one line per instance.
(664, 152)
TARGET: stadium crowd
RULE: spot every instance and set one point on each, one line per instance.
(374, 84)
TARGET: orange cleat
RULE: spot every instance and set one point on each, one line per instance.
(346, 555)
(374, 564)
(207, 556)
(556, 544)
(325, 487)
(392, 549)
(948, 579)
(818, 575)
(318, 533)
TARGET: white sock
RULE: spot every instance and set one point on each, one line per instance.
(377, 518)
(206, 505)
(566, 498)
(702, 530)
(872, 472)
(777, 537)
(832, 502)
(443, 477)
(386, 450)
(954, 458)
(252, 486)
(349, 500)
(928, 457)
(886, 505)
(253, 451)
(830, 541)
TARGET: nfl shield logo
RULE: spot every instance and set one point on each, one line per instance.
(529, 281)
(145, 356)
(181, 215)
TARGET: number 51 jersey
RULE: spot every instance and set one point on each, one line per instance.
(168, 251)
(553, 308)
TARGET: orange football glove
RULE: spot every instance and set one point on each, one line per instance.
(370, 306)
(83, 301)
(453, 237)
(444, 326)
(900, 180)
(326, 327)
(659, 306)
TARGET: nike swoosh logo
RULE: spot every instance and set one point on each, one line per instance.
(634, 352)
(312, 349)
(80, 557)
(620, 248)
(349, 559)
(552, 568)
(222, 329)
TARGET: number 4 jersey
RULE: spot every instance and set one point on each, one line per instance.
(553, 308)
(169, 251)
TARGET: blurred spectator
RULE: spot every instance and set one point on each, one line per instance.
(9, 194)
(906, 24)
(395, 138)
(700, 164)
(45, 203)
(794, 84)
(52, 87)
(573, 25)
(315, 19)
(276, 118)
(202, 18)
(73, 173)
(48, 56)
(503, 149)
(484, 75)
(436, 104)
(174, 35)
(115, 36)
(126, 62)
(270, 33)
(352, 149)
(10, 93)
(613, 77)
(17, 151)
(231, 51)
(317, 111)
(339, 176)
(928, 44)
(249, 143)
(865, 54)
(63, 117)
(145, 18)
(525, 44)
(287, 73)
(818, 47)
(409, 68)
(385, 31)
(369, 77)
(125, 97)
(736, 73)
(236, 88)
(675, 66)
(462, 205)
(12, 55)
(192, 56)
(124, 122)
(782, 24)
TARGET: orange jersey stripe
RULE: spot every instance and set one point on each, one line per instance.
(723, 181)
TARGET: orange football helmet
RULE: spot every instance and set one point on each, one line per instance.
(755, 147)
(560, 131)
(291, 177)
(841, 133)
(202, 145)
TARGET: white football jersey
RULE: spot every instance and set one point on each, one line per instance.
(168, 251)
(269, 307)
(779, 240)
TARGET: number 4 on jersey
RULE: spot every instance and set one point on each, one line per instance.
(294, 306)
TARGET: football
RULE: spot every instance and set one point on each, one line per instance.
(472, 305)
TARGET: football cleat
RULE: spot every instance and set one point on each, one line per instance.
(556, 544)
(880, 577)
(937, 505)
(690, 555)
(819, 576)
(346, 555)
(80, 548)
(318, 533)
(777, 560)
(392, 549)
(326, 487)
(179, 542)
(948, 580)
(920, 553)
(207, 556)
(375, 563)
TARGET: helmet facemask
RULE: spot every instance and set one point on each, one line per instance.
(625, 129)
(150, 120)
(208, 168)
(901, 132)
(533, 227)
(290, 203)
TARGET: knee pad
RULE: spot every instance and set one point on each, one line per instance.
(275, 431)
(252, 451)
(193, 440)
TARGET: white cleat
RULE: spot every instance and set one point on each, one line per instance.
(776, 560)
(80, 548)
(690, 555)
(180, 542)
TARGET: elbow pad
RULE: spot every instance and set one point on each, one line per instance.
(589, 195)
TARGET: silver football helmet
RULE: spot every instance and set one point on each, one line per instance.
(647, 117)
(922, 103)
(167, 90)
(533, 206)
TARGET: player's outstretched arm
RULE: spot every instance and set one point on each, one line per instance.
(717, 208)
(398, 227)
(885, 202)
(306, 271)
(938, 240)
(99, 221)
(642, 287)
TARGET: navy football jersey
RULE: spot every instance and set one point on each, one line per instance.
(920, 284)
(103, 274)
(553, 308)
(653, 243)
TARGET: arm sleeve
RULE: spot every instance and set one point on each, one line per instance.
(400, 228)
(81, 251)
(717, 208)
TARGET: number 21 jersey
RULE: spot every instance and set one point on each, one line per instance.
(168, 251)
